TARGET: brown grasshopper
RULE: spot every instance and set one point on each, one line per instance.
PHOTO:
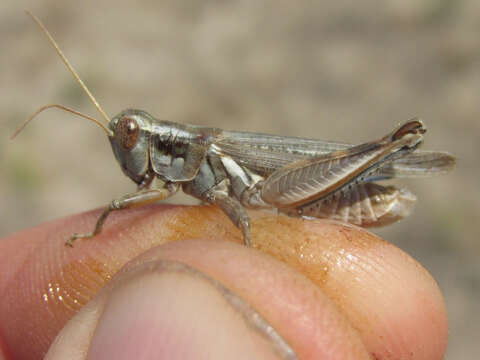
(236, 170)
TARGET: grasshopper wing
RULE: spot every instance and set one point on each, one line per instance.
(265, 154)
(418, 164)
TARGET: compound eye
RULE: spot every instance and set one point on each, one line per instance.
(127, 132)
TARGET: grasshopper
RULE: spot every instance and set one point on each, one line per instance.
(235, 170)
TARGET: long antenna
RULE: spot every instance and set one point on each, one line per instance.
(70, 67)
(45, 107)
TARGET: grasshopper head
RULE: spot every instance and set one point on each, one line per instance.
(130, 141)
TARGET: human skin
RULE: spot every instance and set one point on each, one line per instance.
(177, 282)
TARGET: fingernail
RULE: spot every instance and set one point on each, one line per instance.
(169, 310)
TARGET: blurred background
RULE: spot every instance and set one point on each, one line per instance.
(344, 70)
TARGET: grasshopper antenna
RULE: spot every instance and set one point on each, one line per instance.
(77, 78)
(70, 67)
(45, 107)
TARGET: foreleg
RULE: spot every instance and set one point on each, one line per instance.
(138, 198)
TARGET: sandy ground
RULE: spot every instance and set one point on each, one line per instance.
(343, 70)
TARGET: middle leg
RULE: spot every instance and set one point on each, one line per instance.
(219, 195)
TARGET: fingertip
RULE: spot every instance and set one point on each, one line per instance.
(388, 296)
